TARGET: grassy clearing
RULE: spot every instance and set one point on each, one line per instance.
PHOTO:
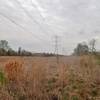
(70, 82)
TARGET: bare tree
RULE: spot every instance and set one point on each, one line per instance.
(4, 45)
(92, 44)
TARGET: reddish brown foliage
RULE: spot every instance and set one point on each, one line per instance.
(14, 70)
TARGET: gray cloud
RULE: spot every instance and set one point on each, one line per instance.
(73, 20)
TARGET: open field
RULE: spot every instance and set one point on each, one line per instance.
(41, 78)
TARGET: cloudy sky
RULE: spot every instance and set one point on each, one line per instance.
(33, 24)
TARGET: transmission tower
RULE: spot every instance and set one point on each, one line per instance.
(56, 52)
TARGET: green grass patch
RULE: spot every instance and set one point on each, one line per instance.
(2, 78)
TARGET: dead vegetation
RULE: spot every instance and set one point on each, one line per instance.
(46, 81)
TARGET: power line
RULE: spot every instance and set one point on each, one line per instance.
(34, 5)
(43, 18)
(29, 15)
(14, 22)
(37, 10)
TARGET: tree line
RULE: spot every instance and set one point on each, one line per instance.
(85, 49)
(81, 49)
(6, 50)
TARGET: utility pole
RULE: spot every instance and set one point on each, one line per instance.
(56, 52)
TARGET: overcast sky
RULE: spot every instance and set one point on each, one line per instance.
(33, 24)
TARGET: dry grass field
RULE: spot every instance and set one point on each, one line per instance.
(41, 78)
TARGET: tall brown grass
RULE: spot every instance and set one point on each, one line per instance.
(70, 82)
